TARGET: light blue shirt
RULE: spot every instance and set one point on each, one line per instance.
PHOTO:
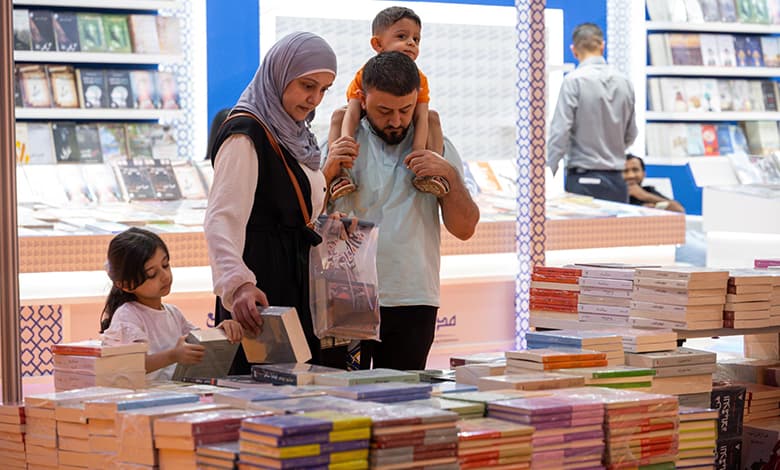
(408, 255)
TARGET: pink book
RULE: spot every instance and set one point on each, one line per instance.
(766, 263)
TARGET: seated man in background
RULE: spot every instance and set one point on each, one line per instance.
(634, 174)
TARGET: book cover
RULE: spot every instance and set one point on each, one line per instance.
(97, 348)
(744, 10)
(728, 453)
(769, 90)
(729, 400)
(41, 146)
(673, 95)
(755, 56)
(693, 93)
(168, 90)
(709, 50)
(92, 88)
(693, 49)
(117, 34)
(282, 338)
(169, 34)
(727, 51)
(119, 90)
(66, 148)
(660, 54)
(694, 11)
(679, 357)
(217, 359)
(189, 181)
(142, 83)
(770, 46)
(725, 95)
(22, 35)
(63, 86)
(382, 390)
(42, 30)
(134, 181)
(710, 95)
(113, 141)
(655, 97)
(709, 135)
(205, 422)
(88, 143)
(695, 145)
(222, 450)
(143, 31)
(724, 140)
(742, 51)
(289, 373)
(287, 425)
(66, 31)
(91, 34)
(679, 49)
(139, 140)
(163, 142)
(356, 377)
(160, 174)
(34, 84)
(678, 138)
(761, 11)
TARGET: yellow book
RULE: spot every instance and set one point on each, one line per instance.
(341, 421)
(279, 452)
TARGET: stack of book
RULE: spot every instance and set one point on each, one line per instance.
(92, 364)
(638, 340)
(567, 430)
(748, 301)
(354, 377)
(678, 297)
(697, 438)
(729, 400)
(554, 297)
(634, 378)
(435, 375)
(305, 440)
(482, 399)
(101, 416)
(487, 442)
(641, 428)
(12, 424)
(41, 422)
(477, 358)
(244, 398)
(464, 409)
(291, 373)
(761, 402)
(316, 403)
(136, 446)
(177, 437)
(605, 295)
(223, 455)
(774, 309)
(470, 373)
(610, 344)
(385, 392)
(412, 437)
(530, 381)
(756, 371)
(72, 436)
(530, 360)
(684, 372)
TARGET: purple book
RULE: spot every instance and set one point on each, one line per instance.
(562, 438)
(344, 446)
(299, 462)
(400, 398)
(295, 440)
(286, 425)
(545, 405)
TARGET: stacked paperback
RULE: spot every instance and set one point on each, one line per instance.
(291, 373)
(530, 381)
(464, 409)
(487, 442)
(177, 437)
(697, 438)
(355, 377)
(554, 297)
(12, 424)
(92, 364)
(530, 360)
(635, 378)
(637, 340)
(678, 297)
(761, 402)
(223, 455)
(306, 440)
(567, 429)
(605, 295)
(385, 392)
(683, 371)
(610, 344)
(748, 300)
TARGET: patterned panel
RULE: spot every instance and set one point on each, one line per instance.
(183, 71)
(619, 35)
(614, 231)
(40, 326)
(531, 154)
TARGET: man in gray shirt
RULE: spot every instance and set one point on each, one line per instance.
(594, 121)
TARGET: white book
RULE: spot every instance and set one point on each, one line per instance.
(603, 309)
(673, 93)
(710, 95)
(660, 54)
(770, 46)
(45, 184)
(709, 50)
(677, 135)
(693, 95)
(190, 182)
(693, 11)
(678, 13)
(756, 96)
(740, 92)
(725, 94)
(654, 92)
(40, 146)
(728, 56)
(658, 10)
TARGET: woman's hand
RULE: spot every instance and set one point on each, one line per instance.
(232, 330)
(245, 301)
(341, 154)
(186, 353)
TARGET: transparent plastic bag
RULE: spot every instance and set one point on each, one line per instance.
(343, 291)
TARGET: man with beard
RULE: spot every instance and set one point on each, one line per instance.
(408, 255)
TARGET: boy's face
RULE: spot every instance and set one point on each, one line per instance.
(402, 36)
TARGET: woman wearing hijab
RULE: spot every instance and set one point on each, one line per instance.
(257, 240)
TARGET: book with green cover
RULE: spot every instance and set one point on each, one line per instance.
(614, 372)
(117, 34)
(91, 35)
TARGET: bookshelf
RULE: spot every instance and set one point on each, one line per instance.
(723, 116)
(713, 27)
(96, 114)
(127, 5)
(702, 71)
(94, 58)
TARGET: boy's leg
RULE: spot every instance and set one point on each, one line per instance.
(335, 125)
(342, 184)
(435, 185)
(435, 134)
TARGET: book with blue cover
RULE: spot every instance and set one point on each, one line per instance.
(106, 408)
(571, 338)
(378, 391)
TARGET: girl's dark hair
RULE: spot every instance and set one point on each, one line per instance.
(128, 252)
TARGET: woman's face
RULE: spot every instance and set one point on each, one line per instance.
(304, 94)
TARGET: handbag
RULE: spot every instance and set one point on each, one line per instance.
(309, 233)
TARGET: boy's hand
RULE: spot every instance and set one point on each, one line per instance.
(232, 330)
(186, 353)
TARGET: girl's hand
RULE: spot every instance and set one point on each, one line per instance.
(186, 353)
(232, 330)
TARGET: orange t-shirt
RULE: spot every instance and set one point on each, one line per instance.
(356, 85)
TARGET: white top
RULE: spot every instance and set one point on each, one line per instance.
(160, 329)
(229, 208)
(408, 251)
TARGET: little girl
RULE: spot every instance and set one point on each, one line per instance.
(139, 267)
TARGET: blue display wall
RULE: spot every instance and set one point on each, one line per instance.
(233, 44)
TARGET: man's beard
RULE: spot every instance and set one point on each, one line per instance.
(391, 139)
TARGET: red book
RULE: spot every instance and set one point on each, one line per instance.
(709, 135)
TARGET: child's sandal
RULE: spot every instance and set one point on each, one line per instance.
(341, 186)
(436, 185)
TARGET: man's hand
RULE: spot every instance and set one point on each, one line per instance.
(341, 154)
(430, 163)
(245, 301)
(636, 191)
